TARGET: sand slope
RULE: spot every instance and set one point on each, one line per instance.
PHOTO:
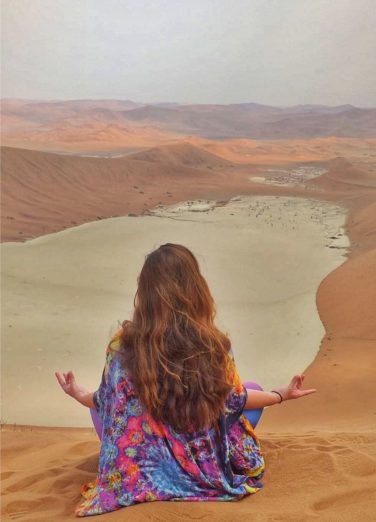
(64, 291)
(44, 192)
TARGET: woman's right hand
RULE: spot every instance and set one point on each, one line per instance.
(293, 389)
(68, 383)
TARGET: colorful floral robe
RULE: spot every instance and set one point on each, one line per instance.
(142, 460)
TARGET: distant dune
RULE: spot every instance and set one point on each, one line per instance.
(85, 125)
(44, 192)
(259, 122)
(264, 152)
(90, 137)
(182, 153)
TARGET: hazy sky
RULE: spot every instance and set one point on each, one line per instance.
(278, 52)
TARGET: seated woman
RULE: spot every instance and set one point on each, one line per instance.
(174, 419)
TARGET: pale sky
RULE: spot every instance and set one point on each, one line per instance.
(277, 52)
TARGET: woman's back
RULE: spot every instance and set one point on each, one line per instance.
(169, 409)
(142, 459)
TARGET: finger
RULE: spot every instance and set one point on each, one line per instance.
(60, 378)
(296, 382)
(308, 392)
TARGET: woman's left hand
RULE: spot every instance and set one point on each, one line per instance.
(293, 389)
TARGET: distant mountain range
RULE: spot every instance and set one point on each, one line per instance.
(38, 121)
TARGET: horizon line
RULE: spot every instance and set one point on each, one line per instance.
(57, 100)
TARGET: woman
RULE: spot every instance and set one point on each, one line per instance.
(174, 419)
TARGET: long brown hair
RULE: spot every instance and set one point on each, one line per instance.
(177, 358)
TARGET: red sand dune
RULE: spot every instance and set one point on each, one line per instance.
(82, 137)
(182, 153)
(44, 192)
(57, 125)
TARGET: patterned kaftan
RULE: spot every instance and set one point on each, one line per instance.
(142, 460)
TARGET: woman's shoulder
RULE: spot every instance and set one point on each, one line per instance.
(232, 373)
(116, 343)
(119, 340)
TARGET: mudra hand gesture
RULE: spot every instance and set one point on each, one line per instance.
(293, 389)
(68, 383)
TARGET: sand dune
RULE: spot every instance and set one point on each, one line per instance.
(75, 126)
(320, 451)
(89, 125)
(39, 111)
(83, 137)
(271, 152)
(44, 192)
(182, 153)
(85, 126)
(257, 122)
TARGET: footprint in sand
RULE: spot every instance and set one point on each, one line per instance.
(6, 474)
(30, 481)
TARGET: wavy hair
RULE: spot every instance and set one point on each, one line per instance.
(177, 358)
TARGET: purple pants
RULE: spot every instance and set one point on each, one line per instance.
(253, 416)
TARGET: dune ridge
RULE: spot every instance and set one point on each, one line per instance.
(244, 120)
(43, 192)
